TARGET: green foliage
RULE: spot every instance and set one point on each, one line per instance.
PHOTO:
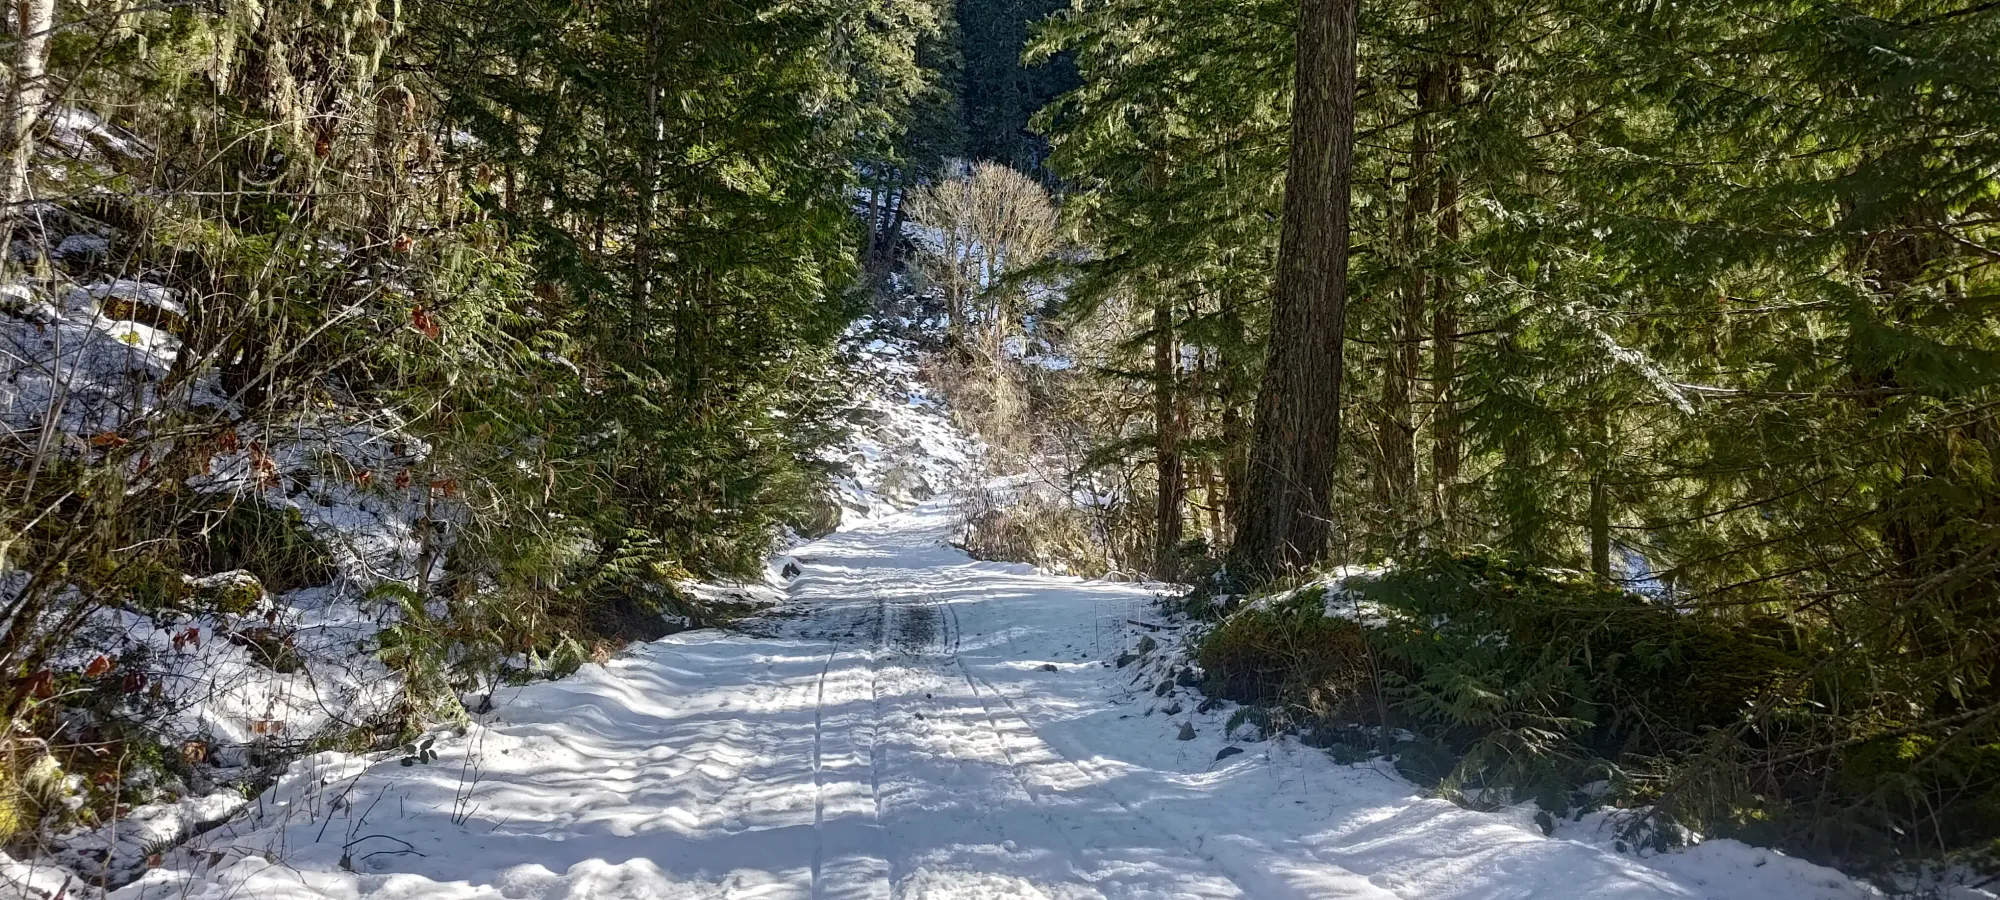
(1695, 299)
(1542, 684)
(272, 543)
(419, 753)
(1001, 92)
(1517, 683)
(1290, 655)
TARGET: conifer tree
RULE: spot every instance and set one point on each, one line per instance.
(1286, 518)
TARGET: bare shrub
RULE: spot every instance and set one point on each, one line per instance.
(1031, 527)
(984, 224)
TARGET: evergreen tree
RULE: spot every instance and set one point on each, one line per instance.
(1287, 515)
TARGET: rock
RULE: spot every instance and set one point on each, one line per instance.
(1208, 704)
(1173, 709)
(1188, 678)
(905, 485)
(1187, 732)
(137, 301)
(1126, 659)
(1048, 667)
(235, 592)
(1161, 689)
(1147, 645)
(1226, 753)
(791, 570)
(22, 301)
(83, 247)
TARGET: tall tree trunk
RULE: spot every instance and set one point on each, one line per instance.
(1446, 453)
(1287, 512)
(874, 215)
(1234, 389)
(886, 234)
(1166, 442)
(649, 184)
(1598, 459)
(33, 20)
(1402, 364)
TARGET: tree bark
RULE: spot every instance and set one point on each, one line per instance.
(33, 21)
(1402, 364)
(1171, 475)
(649, 183)
(1445, 440)
(1287, 512)
(873, 218)
(889, 239)
(1234, 389)
(1600, 498)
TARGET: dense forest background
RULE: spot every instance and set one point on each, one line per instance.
(1646, 353)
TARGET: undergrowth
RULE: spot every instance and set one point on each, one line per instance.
(1027, 526)
(1506, 683)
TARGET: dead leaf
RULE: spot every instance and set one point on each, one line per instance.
(424, 323)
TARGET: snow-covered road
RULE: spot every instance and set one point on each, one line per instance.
(913, 725)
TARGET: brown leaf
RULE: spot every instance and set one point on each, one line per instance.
(263, 467)
(422, 320)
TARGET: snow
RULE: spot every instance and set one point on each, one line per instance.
(79, 372)
(80, 132)
(912, 723)
(37, 880)
(98, 372)
(905, 449)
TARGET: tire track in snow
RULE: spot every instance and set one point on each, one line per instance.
(877, 753)
(818, 770)
(1078, 865)
(848, 861)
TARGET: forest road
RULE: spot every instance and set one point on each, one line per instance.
(913, 724)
